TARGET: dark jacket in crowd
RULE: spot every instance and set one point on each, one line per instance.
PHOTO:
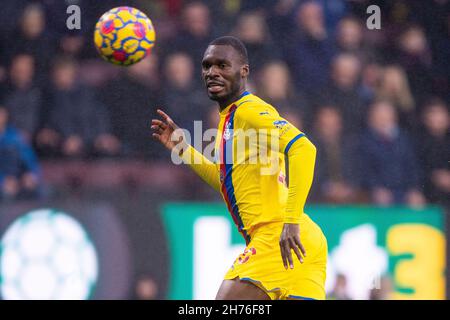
(337, 163)
(348, 102)
(389, 163)
(434, 154)
(78, 112)
(24, 107)
(132, 105)
(310, 61)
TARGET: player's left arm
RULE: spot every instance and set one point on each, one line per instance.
(300, 154)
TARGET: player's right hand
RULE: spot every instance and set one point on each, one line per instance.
(164, 131)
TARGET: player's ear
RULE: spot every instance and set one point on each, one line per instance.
(245, 71)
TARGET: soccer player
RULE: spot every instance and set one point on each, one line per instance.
(265, 199)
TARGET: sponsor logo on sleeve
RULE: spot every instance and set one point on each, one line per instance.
(280, 123)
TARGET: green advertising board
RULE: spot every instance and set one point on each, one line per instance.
(365, 244)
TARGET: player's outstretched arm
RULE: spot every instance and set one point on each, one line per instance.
(165, 131)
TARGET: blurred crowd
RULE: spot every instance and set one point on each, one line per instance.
(380, 289)
(374, 102)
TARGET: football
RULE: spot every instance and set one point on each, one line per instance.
(124, 36)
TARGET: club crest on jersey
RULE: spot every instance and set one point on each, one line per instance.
(280, 123)
(227, 131)
(245, 256)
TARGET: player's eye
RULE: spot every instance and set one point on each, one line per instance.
(222, 66)
(205, 66)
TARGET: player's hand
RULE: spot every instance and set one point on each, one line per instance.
(164, 129)
(290, 240)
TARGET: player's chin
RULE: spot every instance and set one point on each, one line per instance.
(217, 96)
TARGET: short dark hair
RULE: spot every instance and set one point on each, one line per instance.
(233, 42)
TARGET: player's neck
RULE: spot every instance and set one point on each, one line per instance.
(230, 100)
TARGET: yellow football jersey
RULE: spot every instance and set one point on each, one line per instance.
(251, 168)
(264, 168)
(253, 177)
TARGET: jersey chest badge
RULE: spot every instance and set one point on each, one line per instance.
(227, 131)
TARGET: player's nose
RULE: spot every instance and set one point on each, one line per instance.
(212, 72)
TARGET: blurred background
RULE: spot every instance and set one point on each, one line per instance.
(92, 207)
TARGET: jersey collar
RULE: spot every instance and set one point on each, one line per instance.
(241, 97)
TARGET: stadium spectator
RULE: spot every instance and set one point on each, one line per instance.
(77, 124)
(328, 70)
(3, 70)
(281, 24)
(415, 48)
(394, 86)
(11, 11)
(370, 79)
(311, 51)
(441, 49)
(182, 98)
(414, 56)
(337, 172)
(434, 151)
(339, 291)
(391, 169)
(19, 168)
(344, 91)
(275, 87)
(384, 290)
(24, 97)
(195, 31)
(251, 29)
(72, 45)
(294, 117)
(32, 37)
(146, 288)
(349, 37)
(253, 5)
(132, 99)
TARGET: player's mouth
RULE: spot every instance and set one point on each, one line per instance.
(215, 87)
